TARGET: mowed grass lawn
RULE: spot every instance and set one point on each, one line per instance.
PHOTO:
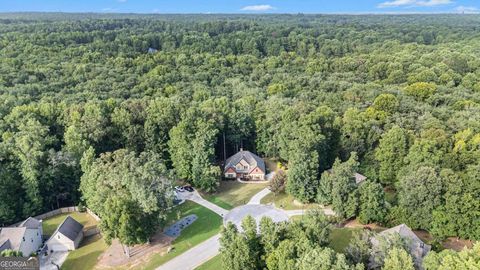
(340, 238)
(231, 194)
(207, 225)
(51, 224)
(214, 263)
(285, 201)
(85, 257)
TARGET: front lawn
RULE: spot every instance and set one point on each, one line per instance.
(207, 225)
(50, 224)
(85, 257)
(340, 238)
(231, 194)
(214, 263)
(285, 201)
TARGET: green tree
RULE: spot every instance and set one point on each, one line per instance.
(317, 227)
(324, 259)
(421, 90)
(277, 184)
(344, 193)
(449, 259)
(372, 206)
(359, 248)
(269, 235)
(419, 193)
(161, 116)
(249, 227)
(180, 149)
(386, 102)
(390, 154)
(234, 250)
(398, 259)
(205, 174)
(384, 244)
(130, 194)
(284, 257)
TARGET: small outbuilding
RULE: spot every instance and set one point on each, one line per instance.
(67, 236)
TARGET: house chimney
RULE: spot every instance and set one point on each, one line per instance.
(241, 149)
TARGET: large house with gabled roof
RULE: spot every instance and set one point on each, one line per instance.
(245, 165)
(25, 238)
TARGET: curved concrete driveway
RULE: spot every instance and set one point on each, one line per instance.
(206, 250)
(195, 197)
(259, 211)
(259, 196)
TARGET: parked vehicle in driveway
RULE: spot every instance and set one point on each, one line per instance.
(188, 188)
(179, 189)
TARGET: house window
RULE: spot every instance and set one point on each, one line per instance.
(58, 236)
(32, 240)
(23, 239)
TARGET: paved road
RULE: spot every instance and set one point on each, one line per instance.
(258, 197)
(195, 197)
(195, 256)
(206, 250)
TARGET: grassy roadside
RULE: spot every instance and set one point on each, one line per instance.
(214, 263)
(207, 225)
(285, 201)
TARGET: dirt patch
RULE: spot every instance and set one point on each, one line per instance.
(457, 244)
(356, 224)
(114, 256)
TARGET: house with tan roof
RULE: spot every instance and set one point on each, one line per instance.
(245, 165)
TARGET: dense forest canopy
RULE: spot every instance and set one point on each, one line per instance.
(396, 98)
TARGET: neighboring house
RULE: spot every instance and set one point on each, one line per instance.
(418, 249)
(358, 177)
(67, 236)
(245, 165)
(26, 237)
(152, 50)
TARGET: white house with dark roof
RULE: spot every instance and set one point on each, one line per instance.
(26, 237)
(245, 165)
(67, 237)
